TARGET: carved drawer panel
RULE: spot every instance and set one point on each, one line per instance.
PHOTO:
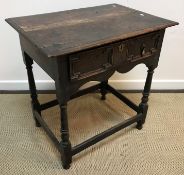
(141, 47)
(89, 63)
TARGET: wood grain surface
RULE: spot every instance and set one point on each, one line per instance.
(61, 33)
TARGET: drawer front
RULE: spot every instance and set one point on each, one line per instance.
(139, 48)
(127, 52)
(89, 63)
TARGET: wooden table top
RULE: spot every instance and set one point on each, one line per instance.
(65, 32)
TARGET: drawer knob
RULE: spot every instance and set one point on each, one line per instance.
(121, 47)
(143, 50)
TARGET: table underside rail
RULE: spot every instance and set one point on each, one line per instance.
(123, 98)
(92, 89)
(93, 140)
(78, 94)
(47, 130)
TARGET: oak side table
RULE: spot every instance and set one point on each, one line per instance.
(77, 46)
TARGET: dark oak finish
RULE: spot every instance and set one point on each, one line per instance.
(77, 46)
(35, 103)
(61, 33)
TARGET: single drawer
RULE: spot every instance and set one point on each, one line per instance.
(139, 48)
(89, 63)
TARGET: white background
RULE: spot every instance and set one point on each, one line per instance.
(169, 74)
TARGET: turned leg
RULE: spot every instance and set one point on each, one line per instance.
(103, 89)
(143, 106)
(65, 144)
(66, 151)
(33, 93)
